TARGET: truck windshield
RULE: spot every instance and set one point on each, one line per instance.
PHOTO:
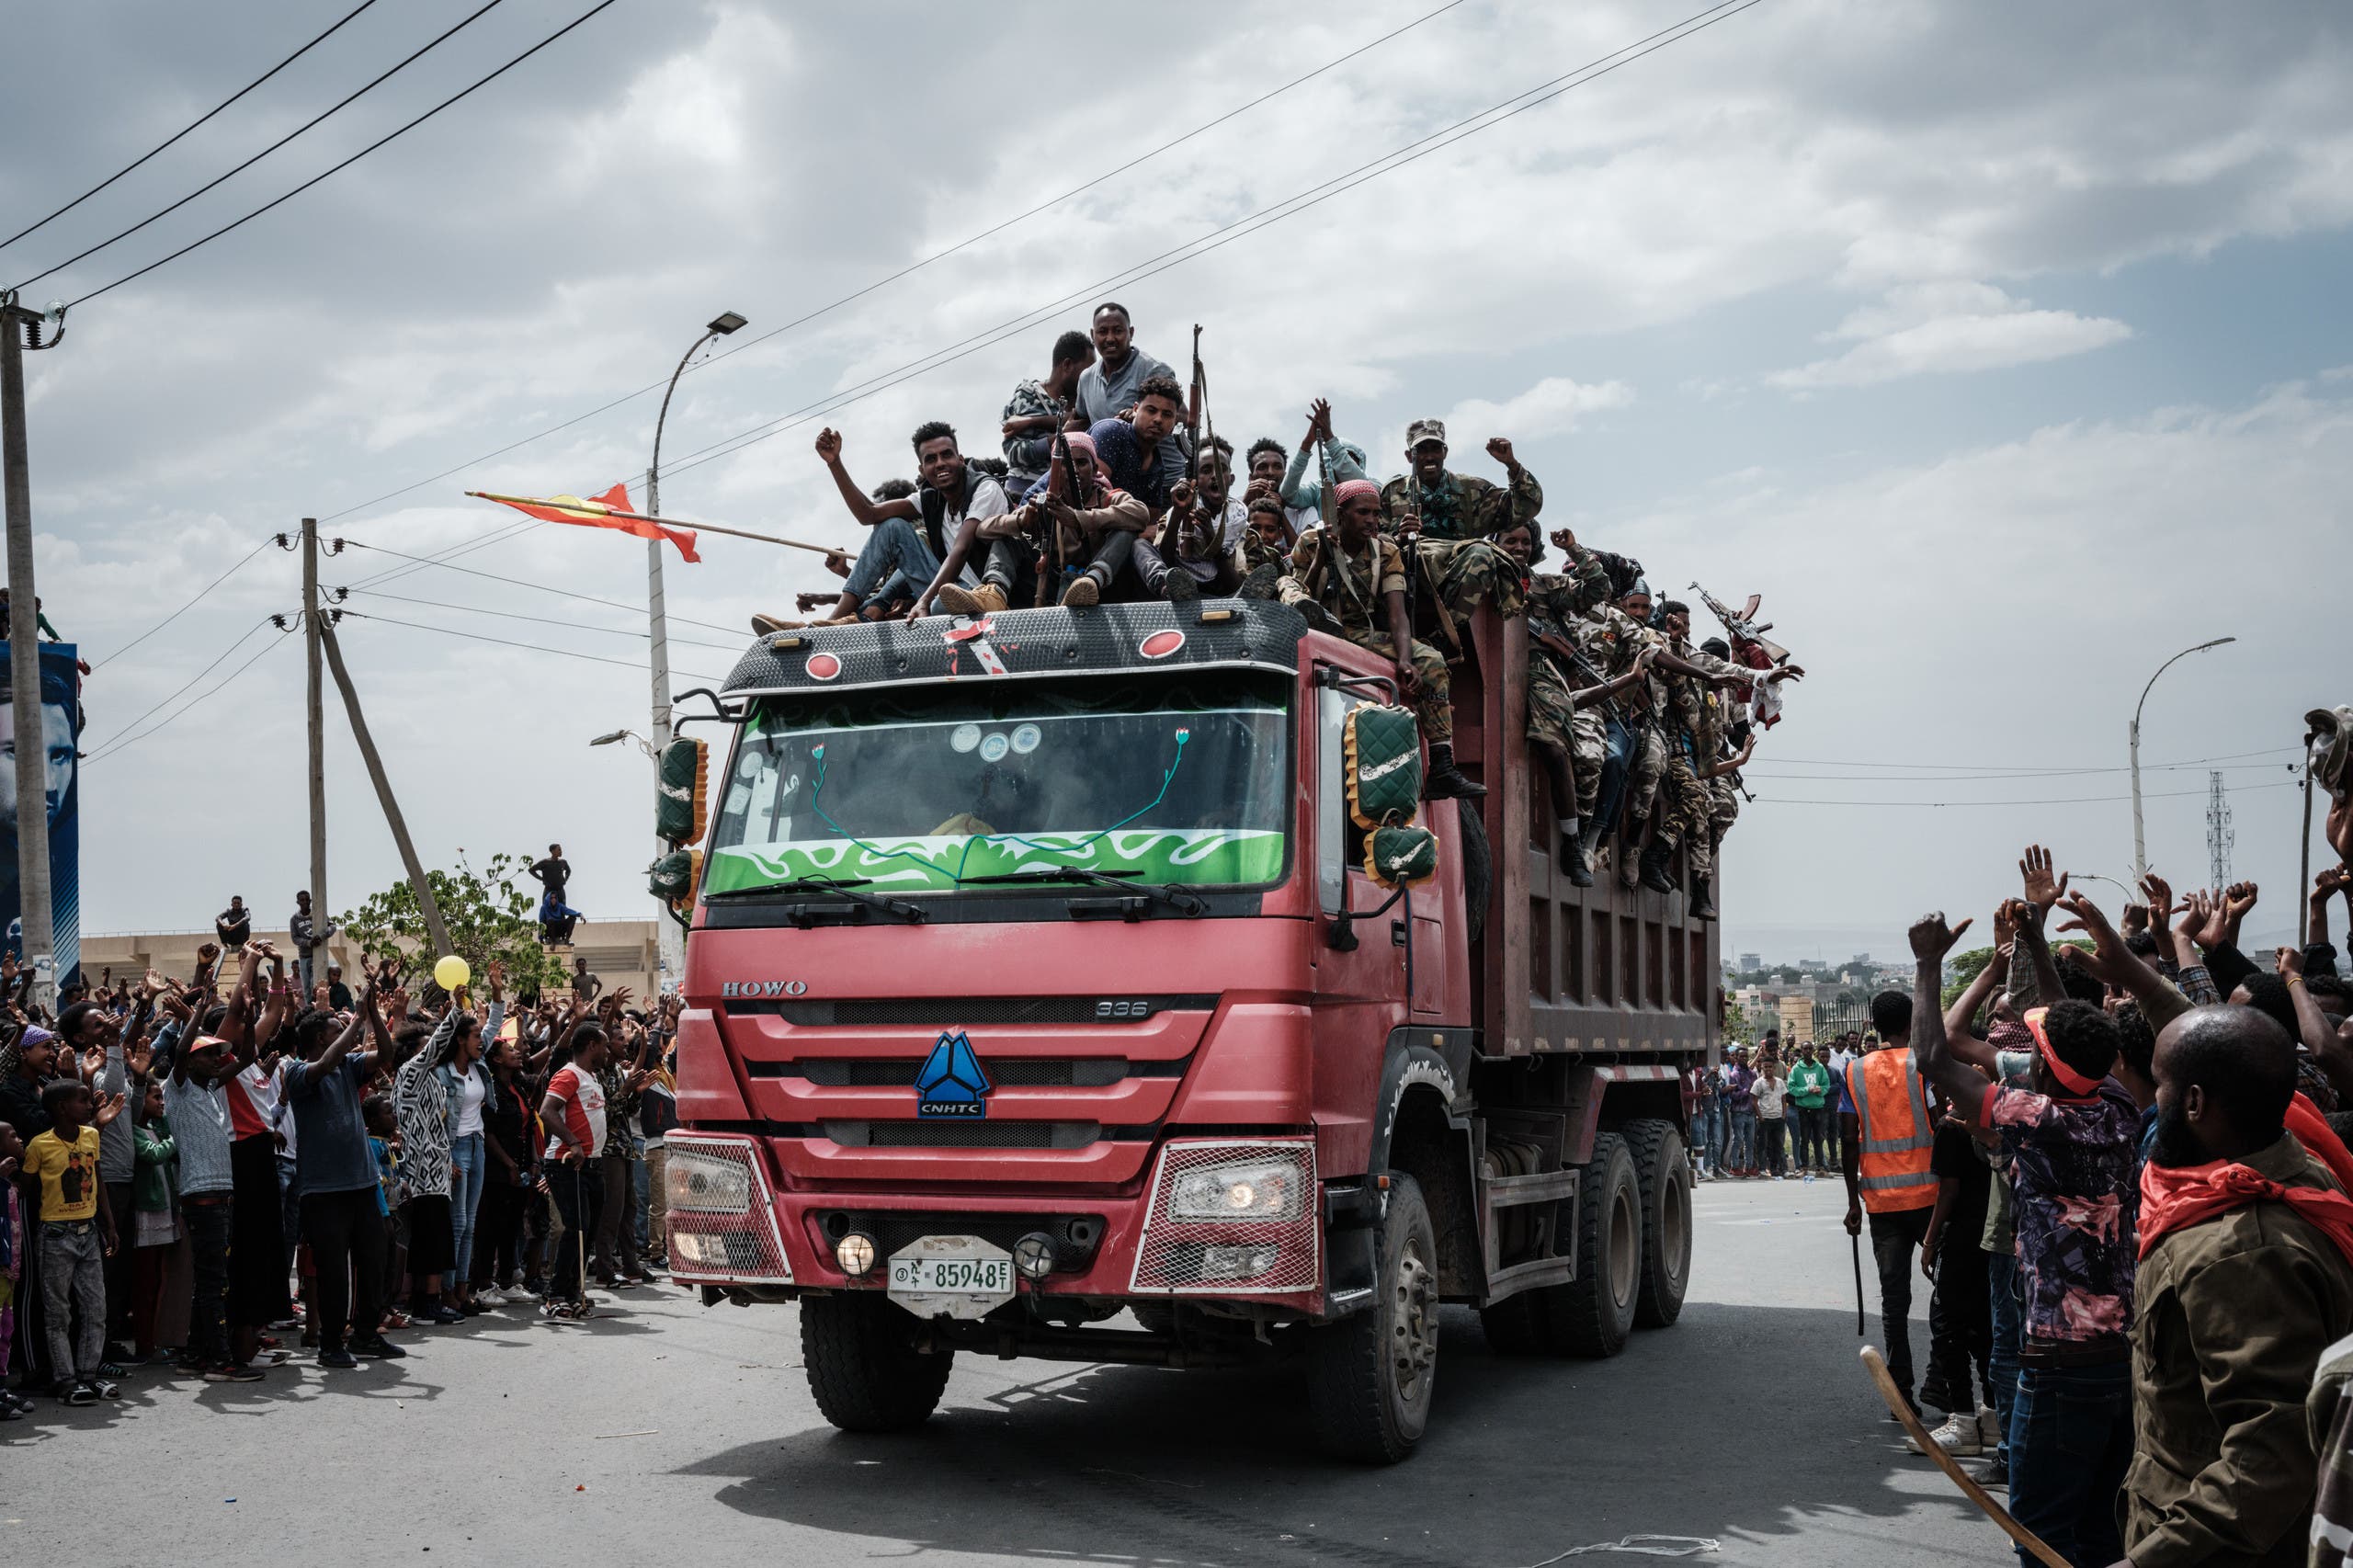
(918, 790)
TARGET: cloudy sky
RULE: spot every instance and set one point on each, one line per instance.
(2003, 347)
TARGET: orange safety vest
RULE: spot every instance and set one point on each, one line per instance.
(1892, 1112)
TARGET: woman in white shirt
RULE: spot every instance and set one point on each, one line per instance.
(1771, 1090)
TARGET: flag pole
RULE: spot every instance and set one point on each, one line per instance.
(665, 522)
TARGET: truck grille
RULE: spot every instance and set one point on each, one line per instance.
(963, 1012)
(945, 1134)
(1075, 1236)
(1016, 1071)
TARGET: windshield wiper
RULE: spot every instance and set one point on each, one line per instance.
(845, 886)
(1176, 895)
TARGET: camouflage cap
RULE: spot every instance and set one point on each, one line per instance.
(1422, 430)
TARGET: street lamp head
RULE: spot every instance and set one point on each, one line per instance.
(609, 740)
(727, 322)
(2215, 643)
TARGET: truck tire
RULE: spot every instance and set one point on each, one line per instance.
(1663, 1169)
(1592, 1314)
(858, 1347)
(1369, 1377)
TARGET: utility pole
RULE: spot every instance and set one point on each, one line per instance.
(392, 818)
(314, 710)
(19, 329)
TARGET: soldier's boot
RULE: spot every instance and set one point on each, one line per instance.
(1178, 586)
(1588, 838)
(1656, 860)
(1086, 588)
(1446, 781)
(1573, 856)
(956, 600)
(1260, 582)
(1703, 899)
(1629, 859)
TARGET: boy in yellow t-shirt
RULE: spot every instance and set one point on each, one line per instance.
(77, 1237)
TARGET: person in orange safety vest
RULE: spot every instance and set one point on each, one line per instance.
(1886, 1128)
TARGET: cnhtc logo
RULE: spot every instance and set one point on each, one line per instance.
(951, 1082)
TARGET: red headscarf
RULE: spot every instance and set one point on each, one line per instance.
(2174, 1198)
(1350, 489)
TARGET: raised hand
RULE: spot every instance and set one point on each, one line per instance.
(1499, 449)
(1932, 938)
(2217, 928)
(2006, 915)
(829, 444)
(109, 1108)
(2042, 889)
(2160, 896)
(2239, 899)
(2288, 962)
(2110, 957)
(2136, 918)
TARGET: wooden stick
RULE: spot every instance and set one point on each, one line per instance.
(1857, 1242)
(1901, 1410)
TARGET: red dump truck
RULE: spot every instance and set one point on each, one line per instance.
(1037, 1002)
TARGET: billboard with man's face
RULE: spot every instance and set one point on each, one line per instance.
(61, 715)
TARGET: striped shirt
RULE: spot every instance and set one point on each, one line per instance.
(201, 1134)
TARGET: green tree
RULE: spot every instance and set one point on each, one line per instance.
(1963, 968)
(489, 916)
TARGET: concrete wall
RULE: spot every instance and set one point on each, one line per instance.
(620, 952)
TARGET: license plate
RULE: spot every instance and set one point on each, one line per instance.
(957, 1276)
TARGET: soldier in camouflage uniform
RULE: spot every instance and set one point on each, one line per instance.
(1354, 585)
(1456, 517)
(1566, 685)
(1694, 745)
(1265, 548)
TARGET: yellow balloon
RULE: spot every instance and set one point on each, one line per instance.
(451, 972)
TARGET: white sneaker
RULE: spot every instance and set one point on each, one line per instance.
(1957, 1437)
(1989, 1427)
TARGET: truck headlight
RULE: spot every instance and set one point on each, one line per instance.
(699, 1183)
(1261, 1189)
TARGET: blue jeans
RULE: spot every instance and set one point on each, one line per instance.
(2071, 1438)
(1615, 758)
(894, 547)
(1740, 1141)
(465, 1197)
(1707, 1135)
(2002, 1365)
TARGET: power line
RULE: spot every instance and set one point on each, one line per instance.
(1241, 228)
(191, 125)
(199, 675)
(912, 268)
(550, 620)
(1980, 766)
(2064, 800)
(527, 647)
(257, 157)
(191, 706)
(1759, 771)
(441, 557)
(404, 130)
(191, 604)
(542, 587)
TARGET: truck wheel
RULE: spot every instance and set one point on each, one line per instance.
(1663, 1169)
(1593, 1313)
(859, 1350)
(1369, 1376)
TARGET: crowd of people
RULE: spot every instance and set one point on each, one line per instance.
(1112, 487)
(2119, 1159)
(203, 1176)
(1772, 1118)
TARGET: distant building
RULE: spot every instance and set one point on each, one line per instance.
(1751, 962)
(1811, 966)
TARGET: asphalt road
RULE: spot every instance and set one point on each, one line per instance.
(670, 1432)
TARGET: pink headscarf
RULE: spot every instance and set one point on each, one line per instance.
(1080, 441)
(1350, 489)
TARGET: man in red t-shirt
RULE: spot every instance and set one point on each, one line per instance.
(573, 1113)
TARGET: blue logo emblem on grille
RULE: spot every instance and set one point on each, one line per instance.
(951, 1082)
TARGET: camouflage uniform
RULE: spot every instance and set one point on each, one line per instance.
(1695, 740)
(1353, 589)
(1556, 604)
(1459, 517)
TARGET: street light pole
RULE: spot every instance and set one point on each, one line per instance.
(657, 619)
(2140, 851)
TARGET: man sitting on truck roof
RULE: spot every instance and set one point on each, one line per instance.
(1356, 585)
(1099, 531)
(1455, 517)
(914, 534)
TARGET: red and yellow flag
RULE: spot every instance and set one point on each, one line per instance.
(610, 510)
